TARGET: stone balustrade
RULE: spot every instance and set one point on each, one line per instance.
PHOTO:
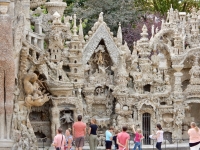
(35, 39)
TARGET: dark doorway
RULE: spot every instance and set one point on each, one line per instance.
(146, 128)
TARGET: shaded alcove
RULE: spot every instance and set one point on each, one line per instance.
(185, 84)
(63, 123)
(147, 88)
(40, 134)
(101, 57)
(168, 136)
(194, 112)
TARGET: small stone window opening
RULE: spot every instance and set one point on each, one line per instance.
(75, 70)
(162, 103)
(30, 52)
(75, 61)
(60, 78)
(75, 80)
(147, 88)
(37, 56)
(55, 56)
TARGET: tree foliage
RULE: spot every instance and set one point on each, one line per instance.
(132, 33)
(114, 12)
(162, 6)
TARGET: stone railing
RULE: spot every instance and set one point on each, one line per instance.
(35, 39)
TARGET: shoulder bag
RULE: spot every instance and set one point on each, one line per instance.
(59, 148)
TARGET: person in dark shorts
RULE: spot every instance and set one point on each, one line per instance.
(93, 134)
(109, 137)
(115, 140)
(79, 132)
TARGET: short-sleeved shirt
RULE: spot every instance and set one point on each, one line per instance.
(69, 138)
(58, 139)
(122, 138)
(160, 138)
(137, 137)
(93, 129)
(194, 135)
(108, 135)
(79, 129)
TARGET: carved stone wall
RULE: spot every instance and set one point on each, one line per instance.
(60, 73)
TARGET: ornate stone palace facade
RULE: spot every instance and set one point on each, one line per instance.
(50, 72)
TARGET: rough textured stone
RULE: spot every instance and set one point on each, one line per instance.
(60, 73)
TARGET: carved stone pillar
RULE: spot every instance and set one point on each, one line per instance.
(55, 121)
(26, 10)
(178, 101)
(7, 73)
(38, 26)
(177, 84)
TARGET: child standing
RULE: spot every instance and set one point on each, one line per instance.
(115, 140)
(137, 139)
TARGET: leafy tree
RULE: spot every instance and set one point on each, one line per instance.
(162, 6)
(132, 33)
(115, 11)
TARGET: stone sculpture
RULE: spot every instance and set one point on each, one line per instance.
(66, 118)
(34, 96)
(95, 75)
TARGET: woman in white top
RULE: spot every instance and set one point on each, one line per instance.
(159, 136)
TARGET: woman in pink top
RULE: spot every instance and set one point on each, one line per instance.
(137, 139)
(194, 134)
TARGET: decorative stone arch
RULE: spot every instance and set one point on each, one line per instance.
(156, 41)
(101, 33)
(151, 121)
(191, 53)
(146, 102)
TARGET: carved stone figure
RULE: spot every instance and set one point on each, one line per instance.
(34, 96)
(66, 118)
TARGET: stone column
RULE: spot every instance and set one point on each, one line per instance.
(26, 11)
(7, 74)
(38, 26)
(178, 101)
(177, 84)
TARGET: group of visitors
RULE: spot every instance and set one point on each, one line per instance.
(121, 139)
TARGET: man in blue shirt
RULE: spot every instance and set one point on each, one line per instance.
(109, 138)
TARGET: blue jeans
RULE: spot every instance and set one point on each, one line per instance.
(158, 145)
(137, 144)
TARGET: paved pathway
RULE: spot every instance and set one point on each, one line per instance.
(181, 146)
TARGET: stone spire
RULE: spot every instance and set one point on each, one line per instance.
(171, 14)
(144, 34)
(75, 36)
(81, 31)
(100, 17)
(134, 48)
(119, 34)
